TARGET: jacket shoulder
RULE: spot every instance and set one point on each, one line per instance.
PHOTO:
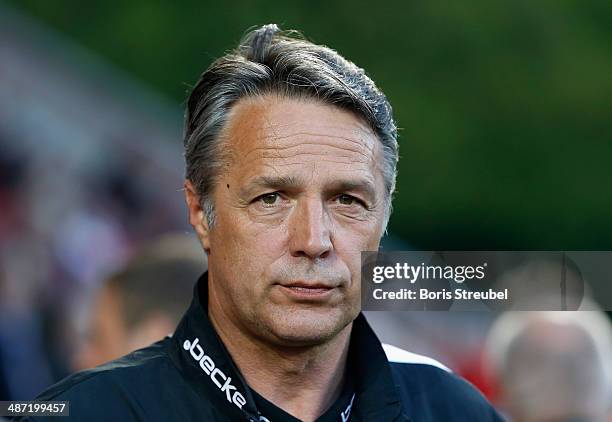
(432, 391)
(115, 390)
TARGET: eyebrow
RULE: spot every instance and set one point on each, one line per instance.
(270, 182)
(288, 183)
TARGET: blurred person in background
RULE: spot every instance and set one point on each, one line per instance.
(553, 366)
(142, 302)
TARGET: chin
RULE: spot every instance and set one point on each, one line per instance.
(306, 327)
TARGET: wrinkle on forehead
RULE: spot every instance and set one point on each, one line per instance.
(274, 128)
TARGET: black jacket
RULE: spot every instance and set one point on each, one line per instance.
(191, 377)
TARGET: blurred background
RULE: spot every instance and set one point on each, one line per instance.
(506, 144)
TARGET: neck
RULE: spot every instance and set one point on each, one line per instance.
(303, 381)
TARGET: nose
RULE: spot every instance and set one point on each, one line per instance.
(310, 233)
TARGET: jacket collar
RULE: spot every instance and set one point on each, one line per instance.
(205, 363)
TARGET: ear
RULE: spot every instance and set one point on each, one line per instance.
(197, 216)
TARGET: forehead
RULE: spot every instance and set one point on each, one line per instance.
(274, 134)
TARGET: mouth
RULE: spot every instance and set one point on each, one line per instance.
(307, 290)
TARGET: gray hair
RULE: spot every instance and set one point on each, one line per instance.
(266, 61)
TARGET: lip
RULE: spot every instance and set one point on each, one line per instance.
(307, 285)
(307, 291)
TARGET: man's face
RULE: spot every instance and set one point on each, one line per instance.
(301, 196)
(110, 337)
(107, 334)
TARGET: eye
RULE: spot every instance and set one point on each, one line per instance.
(345, 199)
(269, 198)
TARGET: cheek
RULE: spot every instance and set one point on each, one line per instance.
(356, 237)
(349, 242)
(268, 239)
(247, 247)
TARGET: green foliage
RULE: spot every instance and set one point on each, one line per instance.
(505, 107)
